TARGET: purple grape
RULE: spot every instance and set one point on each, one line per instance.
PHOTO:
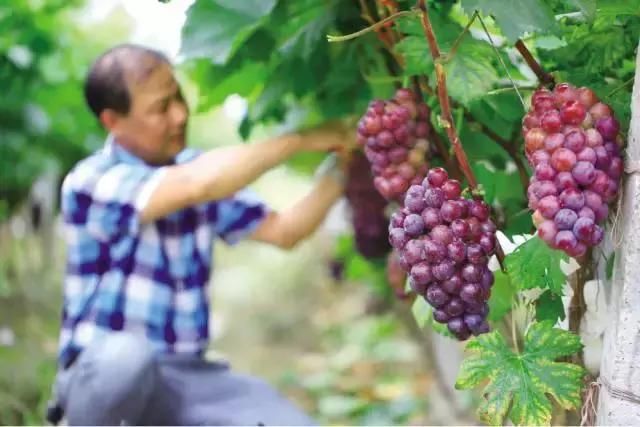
(413, 225)
(480, 210)
(488, 242)
(565, 240)
(444, 270)
(471, 292)
(473, 321)
(435, 252)
(434, 197)
(442, 234)
(450, 211)
(608, 127)
(460, 228)
(451, 189)
(398, 238)
(431, 217)
(455, 307)
(458, 328)
(457, 251)
(453, 284)
(584, 173)
(548, 206)
(471, 273)
(436, 296)
(440, 316)
(544, 172)
(421, 273)
(437, 177)
(414, 251)
(475, 254)
(565, 219)
(572, 199)
(583, 229)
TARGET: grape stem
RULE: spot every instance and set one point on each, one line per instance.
(370, 28)
(443, 96)
(578, 305)
(544, 77)
(447, 120)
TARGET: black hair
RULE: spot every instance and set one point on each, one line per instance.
(106, 85)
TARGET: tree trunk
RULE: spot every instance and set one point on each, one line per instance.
(619, 399)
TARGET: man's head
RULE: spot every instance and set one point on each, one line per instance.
(133, 92)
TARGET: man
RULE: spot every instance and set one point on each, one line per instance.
(140, 218)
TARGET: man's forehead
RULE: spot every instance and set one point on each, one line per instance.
(157, 79)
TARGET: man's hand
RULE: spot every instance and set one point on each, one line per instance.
(330, 136)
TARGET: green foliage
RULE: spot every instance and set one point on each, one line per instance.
(517, 17)
(549, 306)
(519, 383)
(44, 123)
(535, 265)
(502, 295)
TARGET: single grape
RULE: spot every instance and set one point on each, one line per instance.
(565, 218)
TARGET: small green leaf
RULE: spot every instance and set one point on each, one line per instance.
(610, 264)
(415, 52)
(535, 265)
(421, 311)
(549, 306)
(519, 384)
(502, 293)
(516, 17)
(214, 28)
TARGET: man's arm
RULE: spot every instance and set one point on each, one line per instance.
(287, 228)
(219, 173)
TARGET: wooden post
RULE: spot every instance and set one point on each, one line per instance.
(619, 398)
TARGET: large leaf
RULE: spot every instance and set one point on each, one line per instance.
(516, 17)
(519, 384)
(535, 265)
(214, 28)
(470, 73)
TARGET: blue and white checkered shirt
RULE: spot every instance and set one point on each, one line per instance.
(150, 278)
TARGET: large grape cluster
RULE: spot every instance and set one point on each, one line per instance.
(394, 134)
(571, 141)
(369, 220)
(445, 242)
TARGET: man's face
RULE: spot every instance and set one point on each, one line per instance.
(155, 127)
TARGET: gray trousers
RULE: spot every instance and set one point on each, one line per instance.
(119, 381)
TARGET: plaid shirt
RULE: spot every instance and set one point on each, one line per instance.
(151, 278)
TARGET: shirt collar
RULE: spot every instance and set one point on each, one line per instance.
(112, 148)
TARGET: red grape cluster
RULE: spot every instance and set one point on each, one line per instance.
(445, 242)
(571, 141)
(394, 134)
(370, 223)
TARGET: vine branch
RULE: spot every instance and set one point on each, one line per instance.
(370, 28)
(544, 77)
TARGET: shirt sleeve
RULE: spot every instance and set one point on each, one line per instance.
(237, 217)
(108, 203)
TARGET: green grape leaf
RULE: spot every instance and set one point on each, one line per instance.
(421, 311)
(214, 28)
(549, 306)
(535, 265)
(470, 73)
(502, 293)
(518, 385)
(516, 17)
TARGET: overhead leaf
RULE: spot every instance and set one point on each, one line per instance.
(535, 265)
(415, 52)
(519, 383)
(516, 17)
(549, 306)
(215, 27)
(502, 293)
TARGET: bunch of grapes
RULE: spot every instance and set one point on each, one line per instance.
(445, 242)
(370, 223)
(394, 134)
(571, 140)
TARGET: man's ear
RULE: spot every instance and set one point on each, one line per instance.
(109, 119)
